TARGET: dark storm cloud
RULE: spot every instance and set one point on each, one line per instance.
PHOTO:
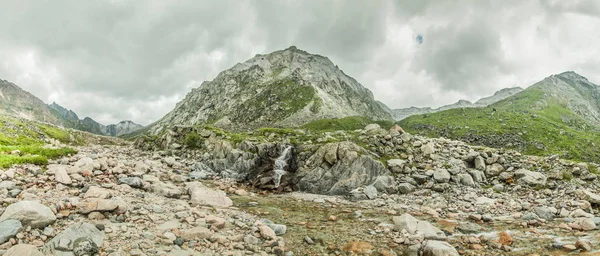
(114, 60)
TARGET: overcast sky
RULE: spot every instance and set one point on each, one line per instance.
(115, 60)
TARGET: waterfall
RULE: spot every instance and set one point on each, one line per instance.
(280, 163)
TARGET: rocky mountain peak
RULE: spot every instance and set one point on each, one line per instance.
(285, 88)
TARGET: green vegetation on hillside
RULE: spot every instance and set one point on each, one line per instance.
(344, 124)
(23, 142)
(529, 122)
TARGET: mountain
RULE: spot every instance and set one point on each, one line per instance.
(122, 128)
(286, 88)
(400, 114)
(90, 125)
(17, 102)
(558, 115)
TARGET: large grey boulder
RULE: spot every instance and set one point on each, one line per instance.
(438, 248)
(22, 250)
(9, 229)
(441, 176)
(78, 236)
(414, 226)
(29, 213)
(530, 178)
(337, 169)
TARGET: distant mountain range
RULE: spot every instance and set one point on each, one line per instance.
(400, 114)
(18, 102)
(558, 115)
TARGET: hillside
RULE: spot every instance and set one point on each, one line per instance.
(20, 103)
(17, 102)
(402, 113)
(286, 88)
(558, 115)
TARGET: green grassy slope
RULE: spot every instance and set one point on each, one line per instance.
(23, 141)
(531, 121)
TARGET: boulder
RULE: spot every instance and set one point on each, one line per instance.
(591, 197)
(134, 182)
(428, 148)
(29, 213)
(202, 195)
(441, 176)
(493, 170)
(61, 176)
(197, 233)
(415, 226)
(479, 163)
(438, 248)
(405, 188)
(370, 192)
(98, 205)
(466, 179)
(166, 189)
(22, 250)
(396, 165)
(352, 169)
(78, 238)
(9, 229)
(97, 192)
(530, 178)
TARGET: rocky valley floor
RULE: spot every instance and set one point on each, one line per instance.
(118, 200)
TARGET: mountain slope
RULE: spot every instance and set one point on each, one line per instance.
(558, 115)
(18, 102)
(400, 114)
(285, 88)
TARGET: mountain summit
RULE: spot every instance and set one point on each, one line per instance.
(285, 88)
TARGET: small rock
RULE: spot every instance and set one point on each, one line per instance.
(308, 240)
(133, 182)
(583, 245)
(85, 246)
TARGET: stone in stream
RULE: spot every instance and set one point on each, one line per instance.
(8, 229)
(29, 213)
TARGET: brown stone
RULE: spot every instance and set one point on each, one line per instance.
(332, 218)
(358, 247)
(505, 238)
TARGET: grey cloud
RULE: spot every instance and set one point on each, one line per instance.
(115, 60)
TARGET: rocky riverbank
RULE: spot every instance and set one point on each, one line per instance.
(372, 192)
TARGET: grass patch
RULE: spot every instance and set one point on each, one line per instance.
(9, 160)
(192, 140)
(567, 176)
(530, 122)
(345, 124)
